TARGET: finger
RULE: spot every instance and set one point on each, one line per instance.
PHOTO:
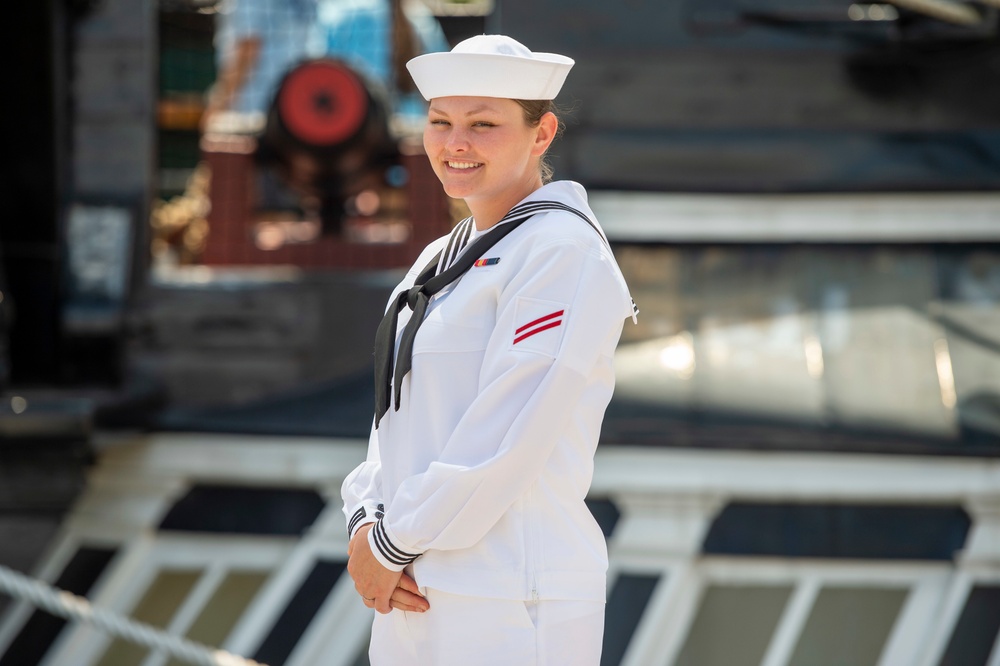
(405, 607)
(382, 600)
(409, 584)
(412, 601)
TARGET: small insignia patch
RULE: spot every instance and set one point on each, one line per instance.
(537, 326)
(492, 261)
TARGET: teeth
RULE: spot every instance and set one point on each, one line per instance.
(463, 165)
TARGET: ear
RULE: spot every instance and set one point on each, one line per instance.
(545, 133)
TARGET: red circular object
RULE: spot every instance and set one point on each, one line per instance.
(322, 103)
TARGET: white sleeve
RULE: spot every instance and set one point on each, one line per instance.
(362, 489)
(529, 388)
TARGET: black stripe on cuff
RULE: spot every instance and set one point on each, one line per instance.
(358, 516)
(388, 550)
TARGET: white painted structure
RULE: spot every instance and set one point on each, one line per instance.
(667, 499)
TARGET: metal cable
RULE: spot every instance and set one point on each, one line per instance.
(73, 607)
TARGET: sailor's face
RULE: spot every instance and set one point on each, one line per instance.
(480, 147)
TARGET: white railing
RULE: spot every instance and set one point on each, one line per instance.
(72, 607)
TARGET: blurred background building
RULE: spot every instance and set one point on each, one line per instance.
(207, 202)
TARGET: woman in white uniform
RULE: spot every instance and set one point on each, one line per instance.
(469, 531)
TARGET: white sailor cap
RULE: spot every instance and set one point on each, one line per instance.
(490, 66)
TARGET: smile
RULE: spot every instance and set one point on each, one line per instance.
(464, 165)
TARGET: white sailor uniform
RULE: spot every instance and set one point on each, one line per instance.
(476, 478)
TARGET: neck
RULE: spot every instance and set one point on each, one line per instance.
(488, 211)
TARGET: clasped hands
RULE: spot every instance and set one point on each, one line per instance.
(379, 587)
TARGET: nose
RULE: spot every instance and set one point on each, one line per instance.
(457, 140)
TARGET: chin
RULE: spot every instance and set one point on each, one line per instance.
(458, 192)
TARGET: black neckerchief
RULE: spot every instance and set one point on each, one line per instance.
(427, 283)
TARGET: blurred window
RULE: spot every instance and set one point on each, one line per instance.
(38, 631)
(300, 611)
(224, 608)
(157, 607)
(200, 587)
(244, 510)
(848, 625)
(778, 613)
(854, 347)
(842, 531)
(627, 604)
(975, 635)
(605, 512)
(733, 625)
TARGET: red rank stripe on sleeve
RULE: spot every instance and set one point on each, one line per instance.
(541, 324)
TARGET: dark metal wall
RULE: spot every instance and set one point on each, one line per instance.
(708, 96)
(32, 186)
(78, 146)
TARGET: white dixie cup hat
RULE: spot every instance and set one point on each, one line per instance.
(490, 66)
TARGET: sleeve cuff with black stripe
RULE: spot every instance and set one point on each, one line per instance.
(386, 549)
(364, 515)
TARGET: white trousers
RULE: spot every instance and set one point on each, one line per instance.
(472, 631)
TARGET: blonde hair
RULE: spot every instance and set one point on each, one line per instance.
(533, 110)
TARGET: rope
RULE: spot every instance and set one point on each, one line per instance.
(73, 607)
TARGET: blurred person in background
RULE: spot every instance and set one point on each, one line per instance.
(257, 42)
(260, 43)
(469, 530)
(378, 37)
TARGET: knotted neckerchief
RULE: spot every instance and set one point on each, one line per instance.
(448, 268)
